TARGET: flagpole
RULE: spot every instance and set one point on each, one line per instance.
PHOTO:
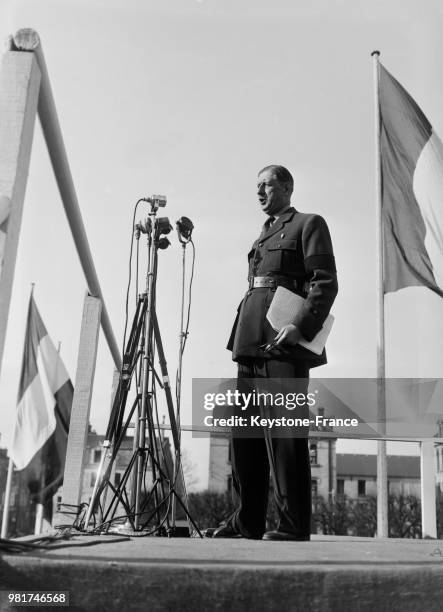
(8, 487)
(382, 472)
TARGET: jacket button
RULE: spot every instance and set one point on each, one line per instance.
(260, 244)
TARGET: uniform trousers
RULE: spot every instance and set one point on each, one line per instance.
(286, 459)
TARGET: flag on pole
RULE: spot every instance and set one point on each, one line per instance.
(43, 413)
(412, 191)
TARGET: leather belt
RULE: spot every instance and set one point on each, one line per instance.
(257, 282)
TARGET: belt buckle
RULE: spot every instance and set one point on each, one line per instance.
(260, 282)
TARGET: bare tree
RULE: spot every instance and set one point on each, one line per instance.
(210, 508)
(189, 470)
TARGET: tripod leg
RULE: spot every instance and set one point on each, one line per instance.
(112, 508)
(166, 382)
(176, 496)
(178, 472)
(189, 517)
(114, 434)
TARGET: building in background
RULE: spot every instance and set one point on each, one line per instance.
(357, 475)
(91, 462)
(333, 473)
(22, 508)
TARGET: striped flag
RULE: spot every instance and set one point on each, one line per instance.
(412, 191)
(43, 412)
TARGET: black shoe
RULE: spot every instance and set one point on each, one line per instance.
(227, 531)
(280, 536)
(209, 532)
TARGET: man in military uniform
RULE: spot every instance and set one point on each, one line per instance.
(294, 250)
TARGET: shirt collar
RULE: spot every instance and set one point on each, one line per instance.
(283, 212)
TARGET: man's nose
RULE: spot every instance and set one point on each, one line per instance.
(261, 189)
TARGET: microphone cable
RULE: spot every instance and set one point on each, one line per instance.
(130, 272)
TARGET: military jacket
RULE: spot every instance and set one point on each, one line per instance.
(298, 247)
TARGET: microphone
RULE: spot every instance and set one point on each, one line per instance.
(184, 229)
(155, 200)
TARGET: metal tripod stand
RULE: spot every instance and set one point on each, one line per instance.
(146, 511)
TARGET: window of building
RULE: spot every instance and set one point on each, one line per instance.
(229, 484)
(314, 487)
(117, 478)
(92, 479)
(313, 453)
(340, 486)
(229, 453)
(97, 455)
(362, 487)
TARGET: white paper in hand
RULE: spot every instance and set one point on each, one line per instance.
(284, 306)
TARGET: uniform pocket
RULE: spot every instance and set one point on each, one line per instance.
(282, 257)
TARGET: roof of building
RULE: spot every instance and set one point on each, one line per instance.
(399, 466)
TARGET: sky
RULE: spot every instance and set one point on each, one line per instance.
(190, 99)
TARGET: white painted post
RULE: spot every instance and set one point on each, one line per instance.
(427, 485)
(38, 519)
(115, 381)
(19, 91)
(81, 404)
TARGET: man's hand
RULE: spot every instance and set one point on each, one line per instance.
(289, 335)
